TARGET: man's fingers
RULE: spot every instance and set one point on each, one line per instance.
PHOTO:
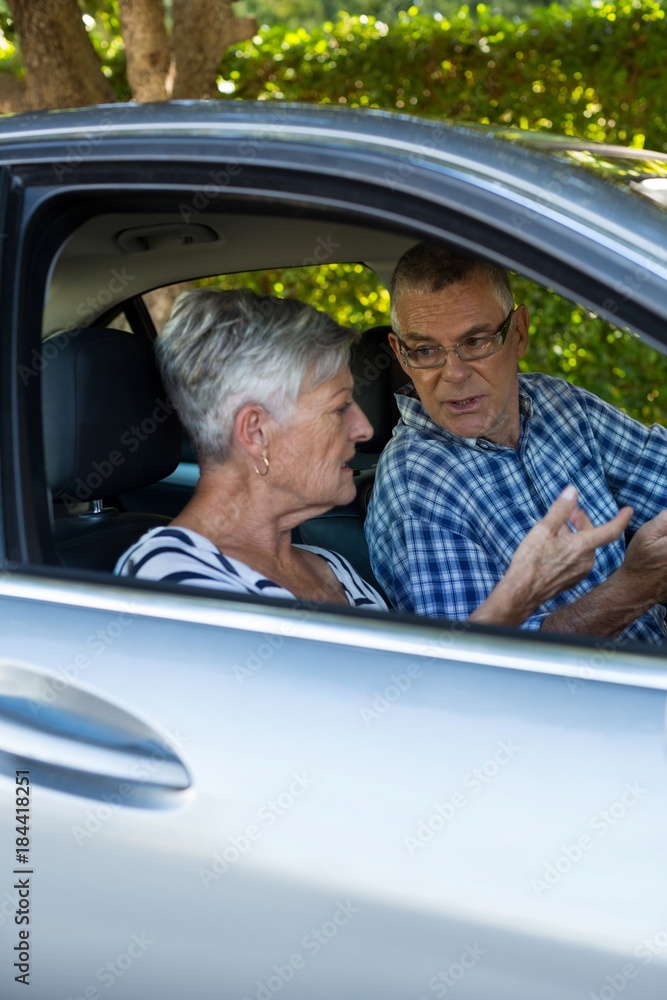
(564, 509)
(613, 529)
(581, 520)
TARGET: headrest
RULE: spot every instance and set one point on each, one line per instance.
(108, 425)
(377, 376)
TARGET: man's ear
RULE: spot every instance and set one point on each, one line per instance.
(393, 340)
(521, 323)
(252, 429)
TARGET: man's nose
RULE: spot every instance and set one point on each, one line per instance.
(454, 370)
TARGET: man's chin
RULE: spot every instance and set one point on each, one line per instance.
(464, 428)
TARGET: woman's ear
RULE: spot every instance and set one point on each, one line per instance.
(252, 429)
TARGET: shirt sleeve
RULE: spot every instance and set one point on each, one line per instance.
(173, 565)
(634, 458)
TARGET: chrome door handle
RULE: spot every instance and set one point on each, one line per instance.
(52, 723)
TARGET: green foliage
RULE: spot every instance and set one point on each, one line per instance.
(10, 59)
(591, 69)
(310, 14)
(103, 23)
(350, 292)
(570, 342)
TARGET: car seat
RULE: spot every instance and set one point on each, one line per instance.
(377, 375)
(108, 429)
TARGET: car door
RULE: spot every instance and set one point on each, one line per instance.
(348, 808)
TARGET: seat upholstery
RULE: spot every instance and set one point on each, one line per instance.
(108, 429)
(377, 375)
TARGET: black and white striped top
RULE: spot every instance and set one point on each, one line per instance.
(180, 555)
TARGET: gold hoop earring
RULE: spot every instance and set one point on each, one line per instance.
(266, 468)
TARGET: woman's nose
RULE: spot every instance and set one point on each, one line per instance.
(362, 429)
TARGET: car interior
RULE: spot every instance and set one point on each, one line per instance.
(117, 461)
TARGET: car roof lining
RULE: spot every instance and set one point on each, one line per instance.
(102, 263)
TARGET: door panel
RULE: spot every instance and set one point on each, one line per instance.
(359, 822)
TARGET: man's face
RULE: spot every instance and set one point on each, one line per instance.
(468, 398)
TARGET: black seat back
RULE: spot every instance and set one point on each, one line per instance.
(108, 429)
(377, 376)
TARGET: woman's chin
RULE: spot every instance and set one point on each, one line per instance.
(340, 495)
(345, 494)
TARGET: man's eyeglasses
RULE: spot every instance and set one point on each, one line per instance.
(471, 349)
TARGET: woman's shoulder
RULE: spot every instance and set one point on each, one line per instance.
(181, 555)
(162, 540)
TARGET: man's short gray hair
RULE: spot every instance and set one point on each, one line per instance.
(220, 350)
(425, 269)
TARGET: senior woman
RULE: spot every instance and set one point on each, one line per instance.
(263, 388)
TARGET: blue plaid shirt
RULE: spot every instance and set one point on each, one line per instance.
(447, 513)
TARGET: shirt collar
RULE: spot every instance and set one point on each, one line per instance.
(416, 418)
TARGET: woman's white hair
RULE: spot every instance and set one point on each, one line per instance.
(220, 350)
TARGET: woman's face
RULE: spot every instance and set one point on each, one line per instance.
(310, 453)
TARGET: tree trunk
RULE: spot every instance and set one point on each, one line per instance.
(62, 69)
(147, 50)
(13, 94)
(202, 30)
(61, 66)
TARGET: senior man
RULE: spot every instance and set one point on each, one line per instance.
(481, 451)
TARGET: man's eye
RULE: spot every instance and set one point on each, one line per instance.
(425, 352)
(475, 343)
